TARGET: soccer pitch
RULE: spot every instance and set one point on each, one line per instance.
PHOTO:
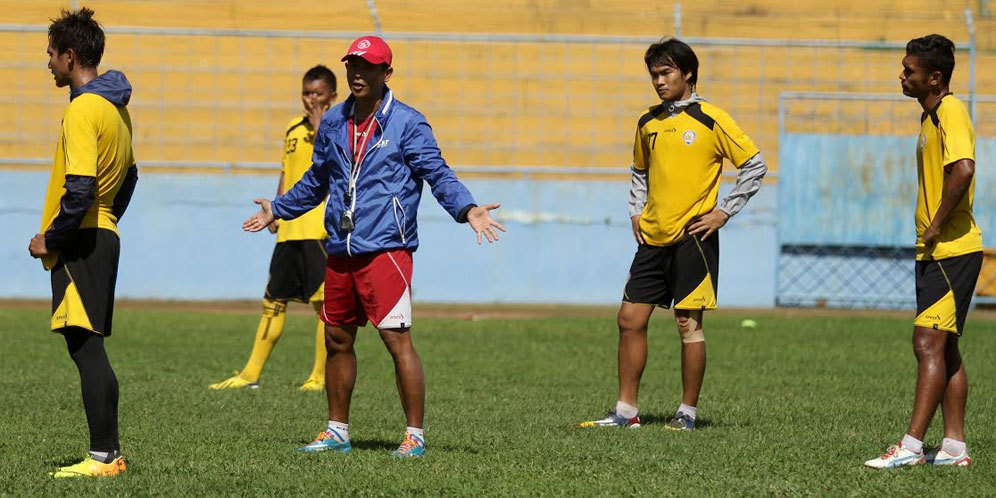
(791, 407)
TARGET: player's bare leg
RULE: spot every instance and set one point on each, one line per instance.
(632, 355)
(340, 370)
(632, 320)
(693, 354)
(340, 376)
(953, 450)
(956, 392)
(693, 364)
(929, 347)
(932, 377)
(407, 373)
(411, 387)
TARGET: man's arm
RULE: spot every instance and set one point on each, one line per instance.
(637, 200)
(123, 198)
(81, 193)
(423, 156)
(957, 180)
(748, 183)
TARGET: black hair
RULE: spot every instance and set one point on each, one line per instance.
(935, 53)
(321, 72)
(77, 30)
(675, 53)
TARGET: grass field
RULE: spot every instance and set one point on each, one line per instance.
(791, 407)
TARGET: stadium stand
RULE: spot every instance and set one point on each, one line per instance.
(509, 103)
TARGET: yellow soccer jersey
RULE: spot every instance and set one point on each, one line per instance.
(96, 142)
(684, 158)
(299, 143)
(946, 136)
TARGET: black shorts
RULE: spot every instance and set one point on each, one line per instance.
(297, 271)
(944, 289)
(685, 274)
(83, 281)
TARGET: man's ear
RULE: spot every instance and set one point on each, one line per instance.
(388, 73)
(935, 78)
(70, 55)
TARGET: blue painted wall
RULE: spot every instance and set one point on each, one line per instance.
(861, 190)
(858, 193)
(568, 242)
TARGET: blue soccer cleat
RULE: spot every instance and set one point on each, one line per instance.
(411, 446)
(681, 422)
(328, 440)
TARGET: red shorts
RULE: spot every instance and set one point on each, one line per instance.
(371, 287)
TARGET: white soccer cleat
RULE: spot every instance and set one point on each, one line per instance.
(896, 456)
(612, 420)
(938, 456)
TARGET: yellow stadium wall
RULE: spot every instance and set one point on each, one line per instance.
(201, 98)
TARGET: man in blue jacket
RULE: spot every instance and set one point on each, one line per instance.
(371, 155)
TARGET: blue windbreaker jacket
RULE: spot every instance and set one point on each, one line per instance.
(399, 156)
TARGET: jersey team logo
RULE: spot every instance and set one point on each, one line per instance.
(923, 142)
(688, 137)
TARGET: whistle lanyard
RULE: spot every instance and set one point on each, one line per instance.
(359, 153)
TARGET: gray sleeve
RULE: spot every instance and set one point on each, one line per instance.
(748, 183)
(637, 192)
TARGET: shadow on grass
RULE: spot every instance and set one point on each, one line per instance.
(366, 444)
(380, 445)
(65, 461)
(700, 423)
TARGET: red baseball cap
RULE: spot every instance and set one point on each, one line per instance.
(371, 48)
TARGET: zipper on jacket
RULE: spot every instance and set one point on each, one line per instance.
(356, 192)
(402, 222)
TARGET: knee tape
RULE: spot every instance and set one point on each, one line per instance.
(273, 308)
(690, 330)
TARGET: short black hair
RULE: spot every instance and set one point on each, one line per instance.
(320, 72)
(675, 53)
(935, 53)
(77, 30)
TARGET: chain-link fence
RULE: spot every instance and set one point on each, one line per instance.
(220, 97)
(847, 192)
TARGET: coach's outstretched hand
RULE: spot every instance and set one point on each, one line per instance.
(482, 223)
(261, 219)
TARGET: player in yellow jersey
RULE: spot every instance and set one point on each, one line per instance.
(948, 255)
(297, 268)
(678, 159)
(92, 179)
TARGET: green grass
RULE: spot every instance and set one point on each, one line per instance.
(791, 407)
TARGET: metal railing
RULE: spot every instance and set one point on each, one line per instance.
(509, 100)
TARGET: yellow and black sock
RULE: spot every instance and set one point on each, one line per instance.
(271, 326)
(318, 370)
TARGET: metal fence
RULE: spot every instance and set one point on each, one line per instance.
(847, 192)
(205, 97)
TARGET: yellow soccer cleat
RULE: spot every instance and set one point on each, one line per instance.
(313, 384)
(91, 468)
(235, 382)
